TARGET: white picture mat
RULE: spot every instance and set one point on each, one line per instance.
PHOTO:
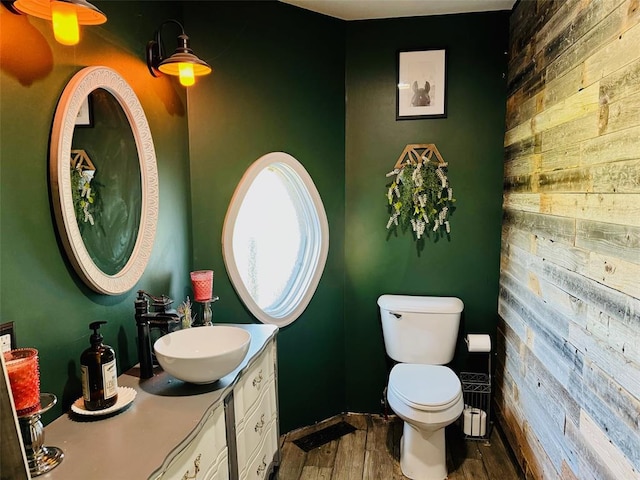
(421, 67)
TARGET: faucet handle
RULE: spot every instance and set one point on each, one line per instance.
(161, 302)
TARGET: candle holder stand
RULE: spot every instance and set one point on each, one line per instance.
(41, 459)
(207, 315)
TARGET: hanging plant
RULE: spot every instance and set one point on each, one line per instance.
(83, 195)
(420, 195)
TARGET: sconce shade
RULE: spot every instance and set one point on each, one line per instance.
(66, 16)
(87, 13)
(170, 65)
(183, 63)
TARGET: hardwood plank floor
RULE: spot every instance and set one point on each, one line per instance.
(372, 452)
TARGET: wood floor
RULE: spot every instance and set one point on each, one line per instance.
(372, 452)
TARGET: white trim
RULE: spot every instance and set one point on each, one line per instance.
(310, 283)
(78, 88)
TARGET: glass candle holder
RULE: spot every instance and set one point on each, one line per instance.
(202, 282)
(24, 378)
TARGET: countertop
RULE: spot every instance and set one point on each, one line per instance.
(134, 442)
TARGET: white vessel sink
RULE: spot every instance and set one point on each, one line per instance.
(202, 354)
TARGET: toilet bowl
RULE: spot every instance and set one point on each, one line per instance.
(427, 398)
(421, 334)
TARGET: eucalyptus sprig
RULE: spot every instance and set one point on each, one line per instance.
(419, 197)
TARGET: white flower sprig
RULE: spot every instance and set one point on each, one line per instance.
(86, 195)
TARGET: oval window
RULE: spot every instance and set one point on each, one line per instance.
(275, 239)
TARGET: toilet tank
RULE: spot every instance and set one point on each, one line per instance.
(420, 329)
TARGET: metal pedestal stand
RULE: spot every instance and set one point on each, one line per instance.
(207, 315)
(41, 459)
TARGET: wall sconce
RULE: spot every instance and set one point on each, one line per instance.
(183, 63)
(66, 16)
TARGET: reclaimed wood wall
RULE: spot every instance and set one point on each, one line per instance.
(568, 374)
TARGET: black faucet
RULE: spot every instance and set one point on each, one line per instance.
(161, 317)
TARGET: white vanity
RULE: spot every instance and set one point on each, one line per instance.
(175, 430)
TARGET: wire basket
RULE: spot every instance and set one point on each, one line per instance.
(476, 416)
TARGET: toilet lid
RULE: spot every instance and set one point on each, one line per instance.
(425, 387)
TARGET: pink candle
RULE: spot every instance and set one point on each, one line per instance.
(202, 282)
(24, 378)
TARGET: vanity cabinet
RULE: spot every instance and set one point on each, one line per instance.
(249, 446)
(204, 455)
(256, 419)
(173, 430)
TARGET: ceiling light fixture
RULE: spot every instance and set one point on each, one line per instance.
(182, 63)
(66, 16)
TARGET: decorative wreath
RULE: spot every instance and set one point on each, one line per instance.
(420, 195)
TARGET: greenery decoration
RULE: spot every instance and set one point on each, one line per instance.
(420, 196)
(184, 312)
(83, 195)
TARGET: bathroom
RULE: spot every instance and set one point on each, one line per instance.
(281, 76)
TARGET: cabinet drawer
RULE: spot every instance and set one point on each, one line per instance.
(217, 471)
(253, 383)
(257, 423)
(258, 465)
(203, 451)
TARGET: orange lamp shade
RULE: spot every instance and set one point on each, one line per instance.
(186, 69)
(66, 16)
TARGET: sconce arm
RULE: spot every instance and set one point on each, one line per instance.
(155, 47)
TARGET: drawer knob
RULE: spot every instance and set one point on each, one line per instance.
(259, 426)
(258, 380)
(196, 469)
(262, 467)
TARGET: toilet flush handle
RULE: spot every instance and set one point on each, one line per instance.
(397, 315)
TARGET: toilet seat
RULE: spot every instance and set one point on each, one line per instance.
(425, 387)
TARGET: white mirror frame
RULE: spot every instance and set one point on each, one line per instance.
(78, 88)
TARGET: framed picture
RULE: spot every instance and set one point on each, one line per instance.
(84, 114)
(422, 84)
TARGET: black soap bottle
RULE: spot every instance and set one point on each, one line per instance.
(99, 373)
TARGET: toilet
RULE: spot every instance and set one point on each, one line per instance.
(421, 333)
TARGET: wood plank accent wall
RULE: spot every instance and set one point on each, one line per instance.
(568, 373)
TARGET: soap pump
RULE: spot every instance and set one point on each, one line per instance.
(99, 372)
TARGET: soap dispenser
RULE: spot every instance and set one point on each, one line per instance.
(99, 372)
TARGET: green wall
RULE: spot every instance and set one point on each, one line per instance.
(277, 85)
(470, 139)
(39, 290)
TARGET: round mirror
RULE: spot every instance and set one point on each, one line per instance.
(104, 180)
